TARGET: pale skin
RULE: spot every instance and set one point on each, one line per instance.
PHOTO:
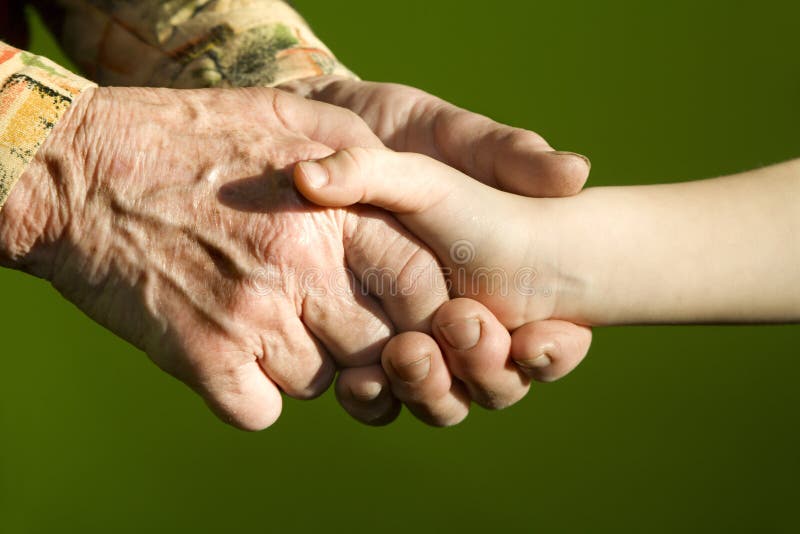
(508, 158)
(168, 217)
(439, 389)
(721, 250)
(158, 213)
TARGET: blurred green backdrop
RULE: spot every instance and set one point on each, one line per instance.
(661, 430)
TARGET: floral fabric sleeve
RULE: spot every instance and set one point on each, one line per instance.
(193, 43)
(34, 94)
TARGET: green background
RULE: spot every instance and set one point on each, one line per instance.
(660, 430)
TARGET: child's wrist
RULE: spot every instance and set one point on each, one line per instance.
(574, 239)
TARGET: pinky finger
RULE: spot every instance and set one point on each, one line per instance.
(365, 394)
(549, 350)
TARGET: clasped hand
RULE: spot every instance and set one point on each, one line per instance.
(170, 217)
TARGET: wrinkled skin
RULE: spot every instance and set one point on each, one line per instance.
(169, 217)
(496, 371)
(56, 187)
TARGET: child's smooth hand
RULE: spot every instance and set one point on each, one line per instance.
(495, 246)
(472, 357)
(503, 157)
(475, 230)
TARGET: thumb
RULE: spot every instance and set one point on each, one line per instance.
(512, 159)
(409, 185)
(324, 123)
(400, 183)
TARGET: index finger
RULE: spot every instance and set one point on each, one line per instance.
(330, 125)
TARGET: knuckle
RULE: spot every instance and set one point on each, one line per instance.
(513, 139)
(281, 105)
(355, 159)
(415, 271)
(519, 138)
(372, 328)
(229, 398)
(353, 117)
(458, 309)
(504, 139)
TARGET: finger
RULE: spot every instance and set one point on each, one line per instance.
(476, 347)
(384, 107)
(512, 159)
(290, 355)
(420, 379)
(231, 382)
(549, 350)
(348, 322)
(365, 393)
(324, 123)
(410, 185)
(394, 267)
(243, 397)
(401, 183)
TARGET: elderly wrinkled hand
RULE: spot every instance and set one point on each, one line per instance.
(168, 217)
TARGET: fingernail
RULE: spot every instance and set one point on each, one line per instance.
(540, 362)
(366, 392)
(316, 176)
(463, 334)
(415, 371)
(575, 154)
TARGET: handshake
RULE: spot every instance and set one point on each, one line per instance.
(170, 217)
(253, 242)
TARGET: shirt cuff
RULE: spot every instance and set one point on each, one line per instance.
(195, 43)
(34, 94)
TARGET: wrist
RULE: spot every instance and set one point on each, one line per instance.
(45, 198)
(576, 245)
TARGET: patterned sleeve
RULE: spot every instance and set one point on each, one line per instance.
(34, 94)
(193, 43)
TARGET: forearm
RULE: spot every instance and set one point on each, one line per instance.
(194, 44)
(722, 250)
